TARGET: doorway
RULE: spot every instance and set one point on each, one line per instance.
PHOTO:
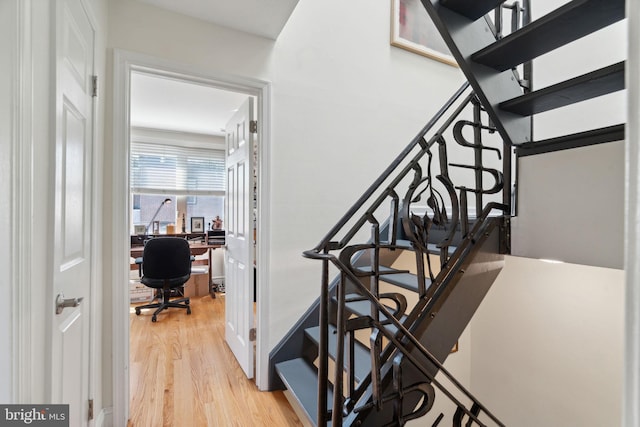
(126, 64)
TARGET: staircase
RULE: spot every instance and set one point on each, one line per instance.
(489, 62)
(407, 266)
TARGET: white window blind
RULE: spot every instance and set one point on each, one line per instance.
(169, 169)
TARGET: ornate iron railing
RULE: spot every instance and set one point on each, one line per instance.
(403, 209)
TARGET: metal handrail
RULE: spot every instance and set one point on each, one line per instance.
(418, 139)
(403, 341)
(458, 258)
(321, 251)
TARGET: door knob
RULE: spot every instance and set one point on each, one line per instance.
(62, 303)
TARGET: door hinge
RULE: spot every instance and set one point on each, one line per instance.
(252, 334)
(94, 91)
(90, 409)
(253, 126)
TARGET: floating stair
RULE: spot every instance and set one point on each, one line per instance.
(487, 60)
(472, 10)
(580, 139)
(564, 25)
(301, 379)
(474, 259)
(399, 278)
(587, 86)
(362, 358)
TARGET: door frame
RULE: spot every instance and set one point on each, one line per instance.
(124, 62)
(26, 190)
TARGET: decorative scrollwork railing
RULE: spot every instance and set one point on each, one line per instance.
(426, 202)
(411, 207)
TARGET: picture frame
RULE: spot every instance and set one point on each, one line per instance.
(412, 29)
(197, 224)
(140, 229)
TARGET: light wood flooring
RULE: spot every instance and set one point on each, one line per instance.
(184, 375)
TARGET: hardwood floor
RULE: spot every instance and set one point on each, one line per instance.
(183, 374)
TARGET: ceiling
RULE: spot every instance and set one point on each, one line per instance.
(264, 18)
(168, 104)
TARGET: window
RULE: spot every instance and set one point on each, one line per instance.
(167, 169)
(192, 178)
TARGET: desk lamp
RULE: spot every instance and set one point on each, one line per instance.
(165, 201)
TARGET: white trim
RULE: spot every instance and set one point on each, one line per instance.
(12, 24)
(124, 62)
(22, 209)
(263, 238)
(631, 404)
(171, 137)
(120, 233)
(97, 167)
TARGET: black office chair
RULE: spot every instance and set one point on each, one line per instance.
(166, 266)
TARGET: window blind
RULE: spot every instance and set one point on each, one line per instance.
(170, 169)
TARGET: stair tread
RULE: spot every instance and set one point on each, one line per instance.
(590, 85)
(574, 140)
(400, 278)
(363, 308)
(472, 10)
(568, 23)
(301, 379)
(362, 366)
(432, 247)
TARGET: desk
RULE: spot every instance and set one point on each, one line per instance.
(196, 249)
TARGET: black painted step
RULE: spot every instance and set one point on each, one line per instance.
(472, 9)
(431, 247)
(399, 278)
(301, 379)
(596, 83)
(575, 140)
(362, 308)
(362, 364)
(560, 27)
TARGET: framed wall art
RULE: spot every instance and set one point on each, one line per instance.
(197, 224)
(412, 29)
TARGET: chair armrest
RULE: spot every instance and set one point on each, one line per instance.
(139, 262)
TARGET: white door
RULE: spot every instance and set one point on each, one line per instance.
(239, 239)
(72, 217)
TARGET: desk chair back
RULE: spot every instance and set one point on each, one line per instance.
(166, 265)
(166, 261)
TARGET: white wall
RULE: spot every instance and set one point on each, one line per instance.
(8, 30)
(571, 206)
(343, 103)
(631, 405)
(547, 345)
